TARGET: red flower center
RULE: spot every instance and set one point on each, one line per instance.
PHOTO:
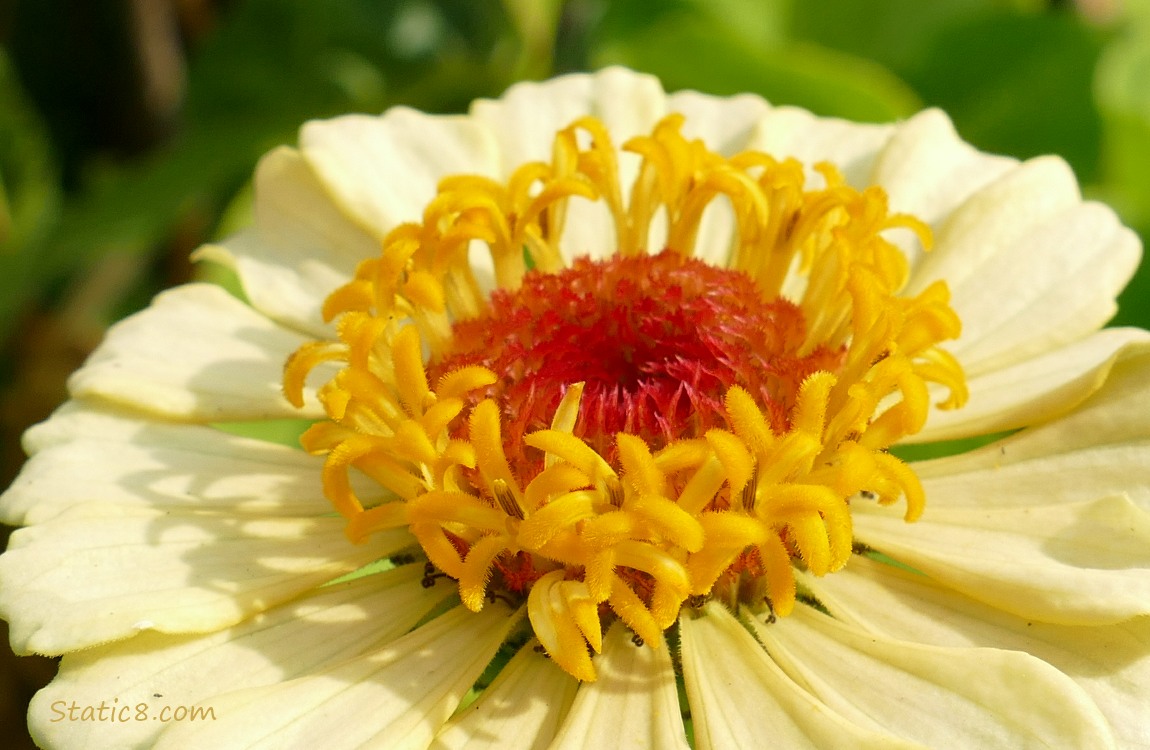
(657, 339)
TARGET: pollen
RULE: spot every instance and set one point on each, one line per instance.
(627, 435)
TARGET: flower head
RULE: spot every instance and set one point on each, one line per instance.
(607, 388)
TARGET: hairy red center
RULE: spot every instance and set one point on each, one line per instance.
(657, 339)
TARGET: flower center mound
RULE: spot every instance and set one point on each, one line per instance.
(625, 436)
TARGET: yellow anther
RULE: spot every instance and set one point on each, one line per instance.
(557, 628)
(303, 361)
(572, 450)
(748, 421)
(737, 461)
(488, 442)
(640, 472)
(458, 382)
(567, 413)
(555, 517)
(410, 377)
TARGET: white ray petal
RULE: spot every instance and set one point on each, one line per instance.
(1029, 266)
(940, 697)
(990, 222)
(1071, 563)
(199, 354)
(301, 248)
(927, 171)
(1111, 663)
(86, 454)
(1036, 390)
(102, 573)
(633, 703)
(526, 118)
(520, 710)
(740, 698)
(851, 147)
(327, 626)
(1101, 448)
(1055, 286)
(384, 170)
(724, 123)
(397, 697)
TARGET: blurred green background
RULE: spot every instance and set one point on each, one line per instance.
(129, 128)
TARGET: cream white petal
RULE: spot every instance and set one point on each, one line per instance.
(1101, 448)
(851, 147)
(1035, 390)
(724, 123)
(1111, 663)
(1086, 474)
(102, 573)
(990, 222)
(301, 248)
(1057, 285)
(1029, 266)
(940, 697)
(525, 119)
(927, 170)
(327, 626)
(199, 354)
(633, 703)
(397, 697)
(1084, 563)
(384, 170)
(86, 454)
(740, 698)
(520, 710)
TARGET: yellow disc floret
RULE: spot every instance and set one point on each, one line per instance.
(628, 436)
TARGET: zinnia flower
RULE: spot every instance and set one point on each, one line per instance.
(606, 392)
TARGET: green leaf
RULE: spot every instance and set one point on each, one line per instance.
(1123, 92)
(1019, 85)
(30, 197)
(690, 51)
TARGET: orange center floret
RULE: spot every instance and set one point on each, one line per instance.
(620, 437)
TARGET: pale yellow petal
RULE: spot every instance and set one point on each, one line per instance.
(525, 119)
(928, 171)
(198, 354)
(383, 171)
(940, 697)
(1036, 390)
(1111, 663)
(989, 223)
(397, 697)
(739, 698)
(86, 454)
(146, 674)
(102, 573)
(633, 703)
(520, 709)
(1051, 288)
(852, 147)
(1082, 563)
(1101, 448)
(301, 247)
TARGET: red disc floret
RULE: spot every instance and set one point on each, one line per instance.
(657, 339)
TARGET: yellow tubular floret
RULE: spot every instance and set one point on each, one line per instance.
(640, 530)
